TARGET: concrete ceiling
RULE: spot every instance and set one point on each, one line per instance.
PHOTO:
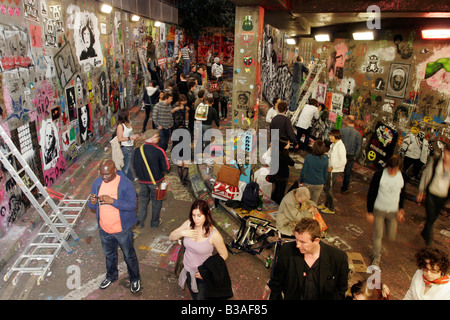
(303, 18)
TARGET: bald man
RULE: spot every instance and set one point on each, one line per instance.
(352, 141)
(114, 199)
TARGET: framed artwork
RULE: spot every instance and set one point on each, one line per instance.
(398, 80)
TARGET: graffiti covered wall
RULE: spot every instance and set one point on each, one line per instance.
(65, 71)
(398, 88)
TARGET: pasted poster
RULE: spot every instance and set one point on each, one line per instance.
(320, 93)
(87, 39)
(381, 145)
(71, 103)
(49, 143)
(65, 64)
(31, 10)
(398, 80)
(84, 118)
(337, 101)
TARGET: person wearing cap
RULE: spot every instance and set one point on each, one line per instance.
(159, 166)
(217, 68)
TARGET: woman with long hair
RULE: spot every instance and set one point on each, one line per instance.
(200, 238)
(125, 136)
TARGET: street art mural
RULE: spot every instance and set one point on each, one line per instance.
(65, 71)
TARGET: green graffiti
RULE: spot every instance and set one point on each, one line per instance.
(433, 67)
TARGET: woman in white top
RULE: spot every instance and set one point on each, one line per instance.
(337, 159)
(125, 136)
(432, 280)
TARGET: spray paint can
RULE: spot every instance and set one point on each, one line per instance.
(268, 262)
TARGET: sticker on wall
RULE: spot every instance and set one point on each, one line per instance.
(398, 80)
(247, 24)
(248, 60)
(87, 39)
(379, 84)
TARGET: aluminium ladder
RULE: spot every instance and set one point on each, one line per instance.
(58, 220)
(310, 82)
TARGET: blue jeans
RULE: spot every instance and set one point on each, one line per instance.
(347, 174)
(294, 98)
(147, 192)
(127, 156)
(187, 67)
(124, 240)
(164, 136)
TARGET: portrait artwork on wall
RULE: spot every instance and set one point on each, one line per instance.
(84, 118)
(65, 64)
(87, 39)
(398, 80)
(49, 143)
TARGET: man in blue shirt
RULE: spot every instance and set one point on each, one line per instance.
(352, 142)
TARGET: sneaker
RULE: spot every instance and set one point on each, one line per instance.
(345, 192)
(328, 211)
(135, 286)
(321, 207)
(105, 284)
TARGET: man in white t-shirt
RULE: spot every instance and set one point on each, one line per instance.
(385, 203)
(304, 122)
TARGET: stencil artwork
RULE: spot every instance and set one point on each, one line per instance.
(372, 65)
(15, 50)
(84, 116)
(398, 80)
(320, 94)
(65, 65)
(337, 102)
(49, 143)
(31, 10)
(87, 39)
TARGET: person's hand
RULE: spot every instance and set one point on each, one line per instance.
(369, 217)
(93, 198)
(419, 197)
(134, 136)
(330, 168)
(198, 275)
(105, 199)
(385, 291)
(190, 233)
(401, 215)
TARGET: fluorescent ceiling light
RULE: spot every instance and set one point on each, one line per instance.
(322, 37)
(436, 34)
(290, 41)
(106, 8)
(157, 24)
(135, 17)
(363, 35)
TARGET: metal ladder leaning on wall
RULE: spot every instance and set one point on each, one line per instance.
(311, 84)
(59, 220)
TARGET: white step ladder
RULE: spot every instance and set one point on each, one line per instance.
(310, 83)
(59, 220)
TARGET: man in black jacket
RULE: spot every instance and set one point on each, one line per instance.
(159, 165)
(284, 124)
(309, 269)
(385, 203)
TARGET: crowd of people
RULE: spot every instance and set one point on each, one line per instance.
(306, 267)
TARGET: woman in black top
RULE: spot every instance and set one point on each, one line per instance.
(281, 177)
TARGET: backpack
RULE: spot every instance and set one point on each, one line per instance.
(250, 197)
(179, 118)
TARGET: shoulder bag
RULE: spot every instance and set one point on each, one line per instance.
(160, 190)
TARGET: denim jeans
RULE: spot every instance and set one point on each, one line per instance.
(147, 192)
(347, 174)
(164, 136)
(294, 98)
(127, 156)
(434, 205)
(382, 219)
(328, 189)
(201, 286)
(186, 66)
(124, 240)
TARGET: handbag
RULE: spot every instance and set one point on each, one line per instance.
(160, 192)
(229, 175)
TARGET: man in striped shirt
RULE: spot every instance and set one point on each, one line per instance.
(162, 116)
(185, 55)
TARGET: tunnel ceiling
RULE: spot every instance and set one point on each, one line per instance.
(304, 18)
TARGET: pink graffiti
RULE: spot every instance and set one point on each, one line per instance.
(43, 99)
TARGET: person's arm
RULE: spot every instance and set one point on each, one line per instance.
(372, 195)
(183, 231)
(219, 244)
(279, 274)
(342, 280)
